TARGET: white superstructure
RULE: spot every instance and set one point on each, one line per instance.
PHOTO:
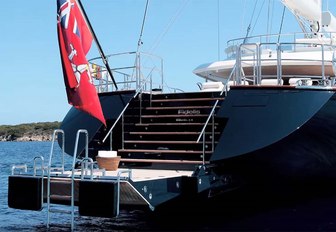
(308, 54)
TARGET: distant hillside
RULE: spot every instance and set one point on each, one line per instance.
(40, 131)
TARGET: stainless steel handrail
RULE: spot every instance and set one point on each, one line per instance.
(256, 61)
(118, 182)
(258, 77)
(117, 120)
(202, 133)
(42, 165)
(136, 71)
(57, 131)
(208, 119)
(296, 35)
(73, 170)
(24, 167)
(139, 90)
(84, 168)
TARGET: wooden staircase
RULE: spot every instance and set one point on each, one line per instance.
(164, 128)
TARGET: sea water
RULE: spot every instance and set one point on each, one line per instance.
(237, 213)
(18, 153)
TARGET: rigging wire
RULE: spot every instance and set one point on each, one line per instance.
(218, 30)
(327, 5)
(258, 15)
(270, 14)
(243, 16)
(136, 62)
(249, 26)
(268, 17)
(282, 20)
(165, 31)
(142, 27)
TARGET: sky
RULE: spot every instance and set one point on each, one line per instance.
(184, 33)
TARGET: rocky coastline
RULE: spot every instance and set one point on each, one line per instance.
(41, 131)
(27, 137)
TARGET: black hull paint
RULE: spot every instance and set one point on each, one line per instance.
(304, 151)
(112, 105)
(271, 137)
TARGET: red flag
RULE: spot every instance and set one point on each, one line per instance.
(75, 40)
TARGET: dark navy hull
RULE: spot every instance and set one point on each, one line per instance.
(280, 134)
(112, 104)
(268, 134)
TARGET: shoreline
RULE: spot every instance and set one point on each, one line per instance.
(41, 131)
(27, 138)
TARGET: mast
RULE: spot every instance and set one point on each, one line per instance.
(101, 52)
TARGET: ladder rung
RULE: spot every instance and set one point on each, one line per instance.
(60, 211)
(60, 199)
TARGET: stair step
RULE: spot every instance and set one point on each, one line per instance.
(163, 128)
(163, 161)
(162, 151)
(172, 124)
(163, 142)
(187, 99)
(168, 133)
(179, 128)
(174, 116)
(164, 133)
(178, 107)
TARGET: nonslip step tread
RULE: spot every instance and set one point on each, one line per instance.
(163, 161)
(171, 124)
(161, 151)
(168, 132)
(174, 115)
(163, 133)
(178, 107)
(187, 99)
(163, 142)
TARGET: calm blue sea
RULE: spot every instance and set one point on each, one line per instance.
(15, 153)
(316, 213)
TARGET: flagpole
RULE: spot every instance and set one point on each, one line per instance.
(97, 43)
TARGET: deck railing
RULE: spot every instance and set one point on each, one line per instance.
(291, 38)
(252, 58)
(131, 71)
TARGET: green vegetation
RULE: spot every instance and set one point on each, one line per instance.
(28, 129)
